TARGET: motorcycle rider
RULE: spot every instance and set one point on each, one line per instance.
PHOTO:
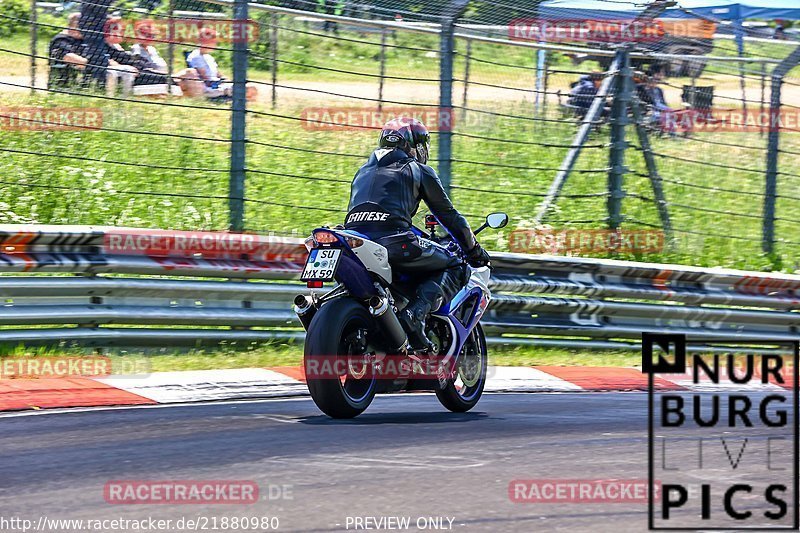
(385, 195)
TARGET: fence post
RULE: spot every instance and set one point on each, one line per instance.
(546, 88)
(739, 35)
(652, 170)
(446, 46)
(763, 93)
(743, 85)
(594, 112)
(619, 144)
(466, 78)
(773, 144)
(170, 44)
(273, 48)
(34, 44)
(382, 69)
(238, 121)
(541, 67)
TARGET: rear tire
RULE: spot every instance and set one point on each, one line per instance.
(463, 392)
(328, 345)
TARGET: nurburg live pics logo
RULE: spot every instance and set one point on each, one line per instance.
(724, 453)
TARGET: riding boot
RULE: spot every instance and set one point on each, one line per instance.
(429, 298)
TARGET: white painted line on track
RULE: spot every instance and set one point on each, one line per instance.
(69, 410)
(204, 385)
(525, 379)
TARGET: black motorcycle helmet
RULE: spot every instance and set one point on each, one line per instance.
(408, 134)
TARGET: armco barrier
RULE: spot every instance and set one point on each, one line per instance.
(208, 287)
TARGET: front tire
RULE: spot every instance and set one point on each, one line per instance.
(463, 392)
(335, 343)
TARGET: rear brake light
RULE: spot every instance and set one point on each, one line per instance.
(325, 237)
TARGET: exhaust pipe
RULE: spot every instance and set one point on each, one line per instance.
(304, 309)
(381, 311)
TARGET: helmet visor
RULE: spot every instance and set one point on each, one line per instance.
(422, 152)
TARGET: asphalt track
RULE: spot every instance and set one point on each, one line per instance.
(405, 456)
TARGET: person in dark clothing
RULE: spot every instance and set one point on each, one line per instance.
(663, 114)
(331, 7)
(657, 98)
(780, 30)
(584, 92)
(107, 62)
(92, 24)
(65, 54)
(640, 80)
(385, 195)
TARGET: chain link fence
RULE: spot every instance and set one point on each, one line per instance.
(269, 137)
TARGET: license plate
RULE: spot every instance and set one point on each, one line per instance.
(321, 264)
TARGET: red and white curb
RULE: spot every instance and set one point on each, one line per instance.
(250, 383)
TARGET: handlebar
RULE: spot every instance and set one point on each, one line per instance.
(445, 240)
(493, 220)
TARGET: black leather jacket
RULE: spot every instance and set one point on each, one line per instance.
(386, 193)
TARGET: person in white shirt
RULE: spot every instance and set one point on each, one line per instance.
(215, 85)
(152, 60)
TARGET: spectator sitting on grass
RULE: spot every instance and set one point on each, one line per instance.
(121, 64)
(207, 71)
(669, 120)
(584, 92)
(656, 96)
(640, 80)
(65, 53)
(153, 67)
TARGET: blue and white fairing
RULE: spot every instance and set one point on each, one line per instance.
(358, 264)
(467, 307)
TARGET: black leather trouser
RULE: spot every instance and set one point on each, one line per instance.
(438, 274)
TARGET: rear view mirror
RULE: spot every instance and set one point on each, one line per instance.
(497, 220)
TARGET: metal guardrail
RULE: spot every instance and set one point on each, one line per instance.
(204, 287)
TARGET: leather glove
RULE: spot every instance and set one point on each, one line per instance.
(478, 257)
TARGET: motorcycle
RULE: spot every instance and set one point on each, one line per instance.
(355, 346)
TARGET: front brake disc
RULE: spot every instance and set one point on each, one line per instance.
(469, 368)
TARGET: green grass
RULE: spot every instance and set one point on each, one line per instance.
(278, 354)
(261, 357)
(292, 191)
(293, 356)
